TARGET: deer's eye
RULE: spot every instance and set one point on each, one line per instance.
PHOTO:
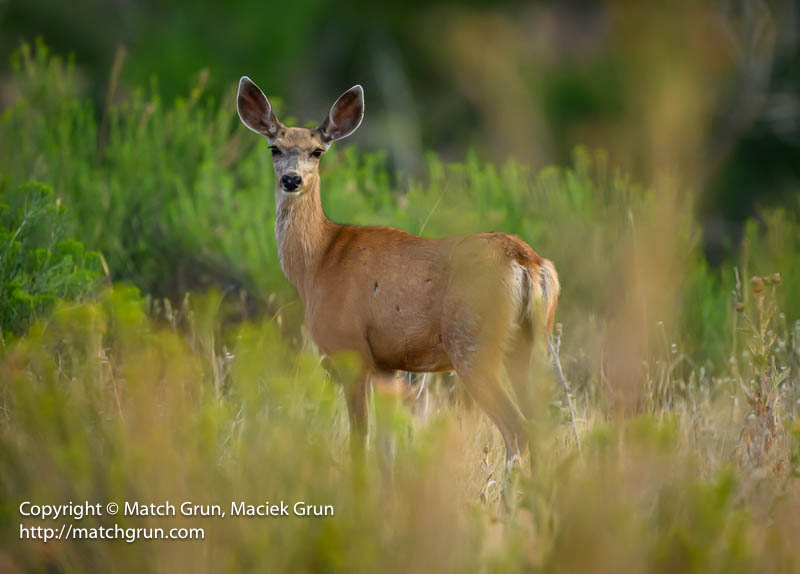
(317, 152)
(275, 151)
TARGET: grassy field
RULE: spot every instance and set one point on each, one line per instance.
(152, 350)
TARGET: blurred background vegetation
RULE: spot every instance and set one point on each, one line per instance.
(151, 348)
(525, 79)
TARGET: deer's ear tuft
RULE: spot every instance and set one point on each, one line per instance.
(345, 115)
(255, 110)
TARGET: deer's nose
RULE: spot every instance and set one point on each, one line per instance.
(291, 181)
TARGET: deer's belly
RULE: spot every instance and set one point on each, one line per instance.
(407, 349)
(409, 343)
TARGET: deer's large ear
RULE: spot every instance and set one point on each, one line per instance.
(345, 115)
(255, 110)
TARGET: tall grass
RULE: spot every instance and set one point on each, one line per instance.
(100, 405)
(684, 378)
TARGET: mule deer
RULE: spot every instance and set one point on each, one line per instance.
(402, 302)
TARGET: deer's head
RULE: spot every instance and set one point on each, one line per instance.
(296, 151)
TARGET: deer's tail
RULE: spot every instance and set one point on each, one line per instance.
(539, 295)
(549, 290)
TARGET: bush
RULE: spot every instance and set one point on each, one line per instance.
(40, 264)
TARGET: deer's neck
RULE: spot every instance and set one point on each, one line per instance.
(303, 234)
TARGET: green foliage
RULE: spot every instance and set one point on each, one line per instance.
(149, 184)
(773, 246)
(39, 263)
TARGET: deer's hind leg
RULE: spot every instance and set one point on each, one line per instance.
(479, 312)
(519, 364)
(478, 361)
(487, 390)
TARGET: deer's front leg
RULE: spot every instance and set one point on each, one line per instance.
(356, 396)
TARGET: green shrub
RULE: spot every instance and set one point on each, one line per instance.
(39, 263)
